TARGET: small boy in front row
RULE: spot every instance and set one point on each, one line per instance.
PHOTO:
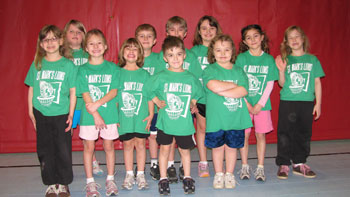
(175, 91)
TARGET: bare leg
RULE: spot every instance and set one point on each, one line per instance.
(230, 158)
(186, 161)
(244, 151)
(218, 158)
(108, 146)
(128, 154)
(89, 146)
(140, 144)
(172, 152)
(260, 147)
(153, 146)
(163, 159)
(200, 135)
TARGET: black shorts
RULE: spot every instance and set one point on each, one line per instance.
(183, 142)
(201, 109)
(129, 136)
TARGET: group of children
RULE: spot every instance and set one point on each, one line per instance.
(155, 96)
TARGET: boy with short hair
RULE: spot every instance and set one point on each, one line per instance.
(177, 26)
(146, 34)
(175, 91)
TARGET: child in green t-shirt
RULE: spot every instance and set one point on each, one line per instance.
(177, 26)
(135, 111)
(97, 83)
(74, 35)
(261, 70)
(206, 29)
(299, 77)
(146, 34)
(227, 115)
(175, 91)
(51, 103)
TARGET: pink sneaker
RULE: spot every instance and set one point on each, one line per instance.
(92, 189)
(203, 170)
(111, 188)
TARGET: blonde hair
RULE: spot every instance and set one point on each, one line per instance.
(176, 20)
(264, 43)
(212, 22)
(95, 32)
(146, 27)
(41, 53)
(285, 48)
(128, 43)
(77, 24)
(222, 38)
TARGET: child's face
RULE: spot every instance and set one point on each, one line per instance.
(130, 54)
(206, 31)
(222, 52)
(295, 40)
(253, 39)
(74, 37)
(177, 30)
(175, 58)
(95, 46)
(146, 38)
(51, 44)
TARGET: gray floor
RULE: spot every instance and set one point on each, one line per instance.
(20, 175)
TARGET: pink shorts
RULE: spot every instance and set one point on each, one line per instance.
(91, 133)
(262, 122)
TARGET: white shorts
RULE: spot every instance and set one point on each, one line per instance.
(91, 133)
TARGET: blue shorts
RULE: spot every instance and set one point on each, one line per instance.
(232, 138)
(153, 129)
(76, 118)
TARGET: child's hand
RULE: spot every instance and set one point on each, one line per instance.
(317, 111)
(161, 104)
(92, 107)
(256, 109)
(32, 118)
(99, 122)
(280, 63)
(149, 122)
(69, 122)
(250, 108)
(194, 108)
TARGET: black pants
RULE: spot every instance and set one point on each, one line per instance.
(294, 131)
(54, 148)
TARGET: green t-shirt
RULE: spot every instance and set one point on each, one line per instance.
(80, 57)
(300, 77)
(132, 101)
(177, 89)
(201, 52)
(98, 80)
(51, 86)
(260, 70)
(152, 64)
(223, 113)
(190, 63)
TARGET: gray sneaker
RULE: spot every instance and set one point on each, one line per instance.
(244, 173)
(259, 174)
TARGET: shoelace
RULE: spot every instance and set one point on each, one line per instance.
(244, 170)
(51, 189)
(92, 186)
(62, 188)
(141, 179)
(259, 171)
(164, 184)
(111, 184)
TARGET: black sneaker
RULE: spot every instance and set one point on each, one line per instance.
(188, 185)
(181, 173)
(163, 187)
(154, 172)
(171, 173)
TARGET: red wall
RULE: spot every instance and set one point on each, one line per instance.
(326, 22)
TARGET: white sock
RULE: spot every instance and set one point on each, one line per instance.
(130, 172)
(170, 163)
(204, 162)
(140, 172)
(154, 162)
(260, 166)
(220, 173)
(110, 178)
(90, 180)
(187, 177)
(163, 178)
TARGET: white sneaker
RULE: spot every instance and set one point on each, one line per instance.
(141, 182)
(218, 182)
(230, 181)
(51, 191)
(129, 182)
(96, 169)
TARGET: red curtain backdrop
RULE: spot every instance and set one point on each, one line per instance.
(326, 22)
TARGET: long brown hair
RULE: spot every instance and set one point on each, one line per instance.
(41, 53)
(222, 38)
(212, 22)
(264, 43)
(285, 48)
